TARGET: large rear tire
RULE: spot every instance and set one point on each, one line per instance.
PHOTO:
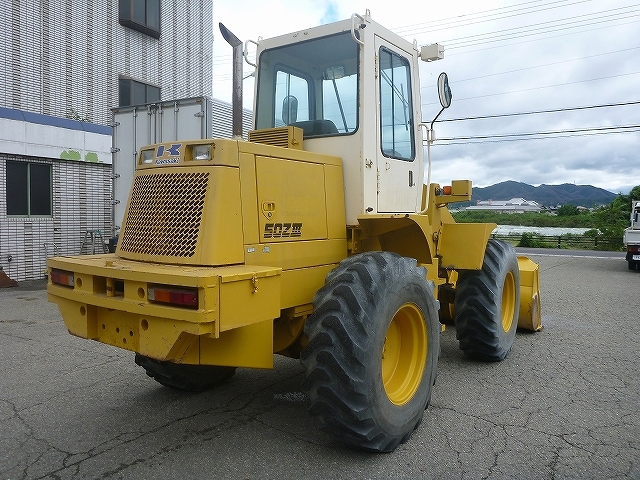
(373, 350)
(487, 304)
(188, 378)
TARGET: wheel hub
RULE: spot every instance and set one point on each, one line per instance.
(508, 302)
(404, 354)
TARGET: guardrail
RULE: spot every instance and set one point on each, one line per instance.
(568, 241)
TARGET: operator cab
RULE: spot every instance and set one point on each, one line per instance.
(321, 98)
(353, 88)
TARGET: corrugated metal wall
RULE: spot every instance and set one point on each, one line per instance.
(223, 118)
(58, 56)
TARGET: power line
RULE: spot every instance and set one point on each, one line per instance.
(563, 28)
(461, 18)
(533, 138)
(550, 133)
(543, 87)
(535, 112)
(535, 66)
(542, 28)
(482, 19)
(466, 20)
(529, 40)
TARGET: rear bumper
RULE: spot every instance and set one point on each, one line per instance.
(232, 324)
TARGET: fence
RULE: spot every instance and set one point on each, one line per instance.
(568, 241)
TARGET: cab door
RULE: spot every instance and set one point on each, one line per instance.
(397, 158)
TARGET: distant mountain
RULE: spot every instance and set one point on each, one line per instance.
(547, 195)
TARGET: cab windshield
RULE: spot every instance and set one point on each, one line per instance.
(312, 85)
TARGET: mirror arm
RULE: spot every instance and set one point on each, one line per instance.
(429, 130)
(430, 139)
(434, 120)
(436, 117)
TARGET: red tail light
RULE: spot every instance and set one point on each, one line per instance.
(180, 297)
(62, 277)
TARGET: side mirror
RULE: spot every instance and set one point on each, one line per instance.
(444, 92)
(289, 110)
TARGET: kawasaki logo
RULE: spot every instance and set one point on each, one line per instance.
(172, 151)
(166, 161)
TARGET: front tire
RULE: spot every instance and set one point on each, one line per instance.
(373, 349)
(487, 303)
(188, 378)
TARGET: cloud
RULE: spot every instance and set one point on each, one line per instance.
(331, 14)
(507, 59)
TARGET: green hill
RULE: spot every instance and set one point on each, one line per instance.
(547, 195)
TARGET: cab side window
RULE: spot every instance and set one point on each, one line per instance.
(396, 114)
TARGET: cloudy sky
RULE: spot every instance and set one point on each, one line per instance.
(558, 79)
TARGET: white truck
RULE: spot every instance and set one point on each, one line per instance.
(631, 237)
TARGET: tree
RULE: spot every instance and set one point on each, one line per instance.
(73, 114)
(567, 210)
(612, 219)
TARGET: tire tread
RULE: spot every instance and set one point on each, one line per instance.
(336, 356)
(188, 378)
(478, 308)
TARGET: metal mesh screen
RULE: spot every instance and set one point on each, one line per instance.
(280, 137)
(165, 211)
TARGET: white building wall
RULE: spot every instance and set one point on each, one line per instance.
(22, 137)
(66, 55)
(81, 201)
(63, 58)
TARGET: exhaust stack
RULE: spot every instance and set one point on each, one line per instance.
(236, 99)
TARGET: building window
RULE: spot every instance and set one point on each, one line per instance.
(137, 93)
(28, 189)
(141, 15)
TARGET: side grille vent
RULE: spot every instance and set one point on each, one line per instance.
(288, 137)
(164, 214)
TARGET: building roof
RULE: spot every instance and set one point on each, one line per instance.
(512, 205)
(513, 201)
(24, 116)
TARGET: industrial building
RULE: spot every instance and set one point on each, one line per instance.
(63, 66)
(515, 205)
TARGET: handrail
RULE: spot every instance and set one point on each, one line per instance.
(353, 27)
(246, 52)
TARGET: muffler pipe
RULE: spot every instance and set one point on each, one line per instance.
(236, 98)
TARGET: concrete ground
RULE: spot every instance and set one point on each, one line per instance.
(564, 404)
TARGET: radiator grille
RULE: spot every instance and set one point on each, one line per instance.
(164, 215)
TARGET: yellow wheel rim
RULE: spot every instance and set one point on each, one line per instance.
(508, 301)
(404, 354)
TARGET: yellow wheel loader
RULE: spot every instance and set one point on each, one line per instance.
(315, 239)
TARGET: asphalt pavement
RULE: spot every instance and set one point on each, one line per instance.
(564, 404)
